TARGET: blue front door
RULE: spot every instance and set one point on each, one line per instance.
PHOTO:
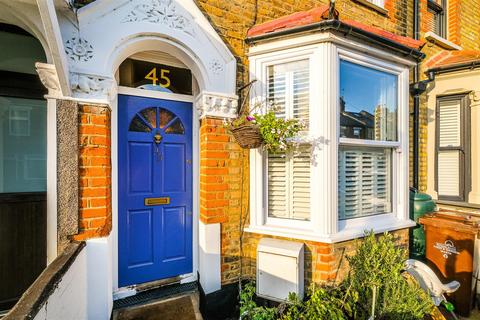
(154, 189)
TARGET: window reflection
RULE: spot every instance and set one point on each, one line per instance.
(368, 103)
(23, 140)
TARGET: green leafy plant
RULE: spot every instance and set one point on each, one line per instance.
(376, 284)
(248, 306)
(276, 132)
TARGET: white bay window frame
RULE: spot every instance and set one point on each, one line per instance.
(324, 51)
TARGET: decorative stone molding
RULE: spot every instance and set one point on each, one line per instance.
(215, 67)
(475, 96)
(216, 105)
(90, 86)
(163, 12)
(78, 49)
(49, 77)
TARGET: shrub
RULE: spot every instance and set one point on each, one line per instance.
(375, 283)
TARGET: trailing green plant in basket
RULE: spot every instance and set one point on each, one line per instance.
(277, 132)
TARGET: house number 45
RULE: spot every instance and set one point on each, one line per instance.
(164, 79)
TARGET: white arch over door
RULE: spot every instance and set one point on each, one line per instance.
(111, 30)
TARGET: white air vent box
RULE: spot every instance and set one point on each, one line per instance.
(279, 269)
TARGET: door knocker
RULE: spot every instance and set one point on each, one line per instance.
(157, 138)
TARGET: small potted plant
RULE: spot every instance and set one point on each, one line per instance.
(252, 130)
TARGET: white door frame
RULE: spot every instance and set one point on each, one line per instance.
(130, 290)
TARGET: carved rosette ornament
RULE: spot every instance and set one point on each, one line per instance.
(163, 12)
(49, 77)
(90, 86)
(78, 49)
(216, 106)
(215, 67)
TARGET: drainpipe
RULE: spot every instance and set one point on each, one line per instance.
(416, 99)
(417, 88)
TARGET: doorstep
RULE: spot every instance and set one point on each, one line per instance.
(184, 307)
(175, 302)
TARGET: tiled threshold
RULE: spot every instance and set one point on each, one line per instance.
(156, 294)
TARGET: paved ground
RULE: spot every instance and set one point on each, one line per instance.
(474, 316)
(184, 307)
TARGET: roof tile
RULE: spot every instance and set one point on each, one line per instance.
(452, 58)
(318, 14)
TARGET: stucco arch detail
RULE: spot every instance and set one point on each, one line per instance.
(111, 30)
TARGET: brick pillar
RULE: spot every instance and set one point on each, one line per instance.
(220, 168)
(95, 172)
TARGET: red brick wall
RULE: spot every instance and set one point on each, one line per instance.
(323, 261)
(220, 173)
(220, 169)
(221, 159)
(95, 172)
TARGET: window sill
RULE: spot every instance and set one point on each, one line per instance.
(440, 41)
(372, 6)
(349, 232)
(458, 204)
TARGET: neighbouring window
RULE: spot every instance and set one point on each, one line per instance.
(453, 149)
(23, 140)
(288, 174)
(368, 112)
(437, 18)
(379, 3)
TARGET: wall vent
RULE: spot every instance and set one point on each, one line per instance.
(279, 269)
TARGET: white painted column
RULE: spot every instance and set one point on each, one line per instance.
(99, 278)
(51, 179)
(209, 256)
(48, 76)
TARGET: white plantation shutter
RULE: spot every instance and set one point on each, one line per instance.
(277, 83)
(379, 3)
(288, 185)
(451, 153)
(289, 89)
(449, 173)
(449, 122)
(301, 96)
(364, 182)
(277, 186)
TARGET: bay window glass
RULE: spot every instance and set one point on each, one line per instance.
(368, 111)
(368, 103)
(288, 174)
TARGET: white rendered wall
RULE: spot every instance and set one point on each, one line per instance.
(209, 256)
(69, 300)
(99, 283)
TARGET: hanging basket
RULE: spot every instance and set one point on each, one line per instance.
(247, 136)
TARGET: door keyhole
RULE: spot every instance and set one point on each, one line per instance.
(157, 138)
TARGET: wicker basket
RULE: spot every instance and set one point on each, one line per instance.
(247, 136)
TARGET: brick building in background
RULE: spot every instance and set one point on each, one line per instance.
(142, 168)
